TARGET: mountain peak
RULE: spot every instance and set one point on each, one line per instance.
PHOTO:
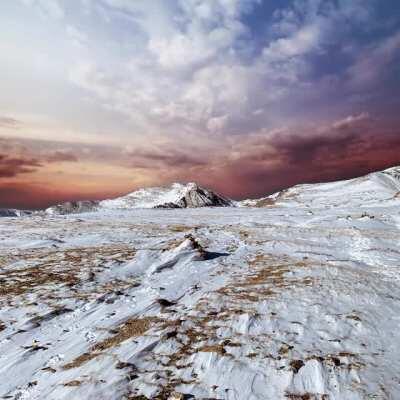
(177, 195)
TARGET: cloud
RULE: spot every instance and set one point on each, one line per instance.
(239, 166)
(61, 156)
(301, 42)
(164, 157)
(13, 166)
(197, 67)
(370, 65)
(305, 159)
(216, 124)
(29, 156)
(8, 122)
(269, 160)
(47, 8)
(78, 37)
(351, 121)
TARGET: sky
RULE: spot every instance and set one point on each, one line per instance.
(101, 97)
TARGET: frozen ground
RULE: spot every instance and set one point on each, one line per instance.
(299, 300)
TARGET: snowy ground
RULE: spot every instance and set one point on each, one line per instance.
(292, 301)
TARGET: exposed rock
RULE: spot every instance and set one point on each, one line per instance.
(12, 212)
(175, 196)
(73, 207)
(196, 196)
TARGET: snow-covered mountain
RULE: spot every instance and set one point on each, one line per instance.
(368, 190)
(175, 196)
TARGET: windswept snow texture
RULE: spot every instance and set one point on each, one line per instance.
(297, 300)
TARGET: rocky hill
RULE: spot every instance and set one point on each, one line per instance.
(175, 196)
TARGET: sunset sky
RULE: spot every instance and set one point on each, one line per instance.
(101, 97)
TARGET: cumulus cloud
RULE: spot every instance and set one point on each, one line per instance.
(194, 66)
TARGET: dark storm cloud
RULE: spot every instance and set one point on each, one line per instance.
(27, 156)
(308, 149)
(308, 159)
(11, 166)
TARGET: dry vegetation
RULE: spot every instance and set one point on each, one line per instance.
(60, 268)
(265, 279)
(131, 328)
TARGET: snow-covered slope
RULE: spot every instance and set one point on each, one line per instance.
(175, 196)
(372, 189)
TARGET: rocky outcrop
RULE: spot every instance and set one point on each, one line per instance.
(73, 207)
(195, 196)
(177, 195)
(12, 212)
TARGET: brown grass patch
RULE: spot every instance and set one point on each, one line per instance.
(295, 365)
(216, 348)
(74, 383)
(22, 281)
(353, 317)
(133, 327)
(265, 202)
(179, 228)
(284, 194)
(265, 279)
(59, 267)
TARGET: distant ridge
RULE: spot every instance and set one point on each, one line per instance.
(370, 189)
(175, 196)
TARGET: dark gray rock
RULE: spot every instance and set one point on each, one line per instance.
(73, 207)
